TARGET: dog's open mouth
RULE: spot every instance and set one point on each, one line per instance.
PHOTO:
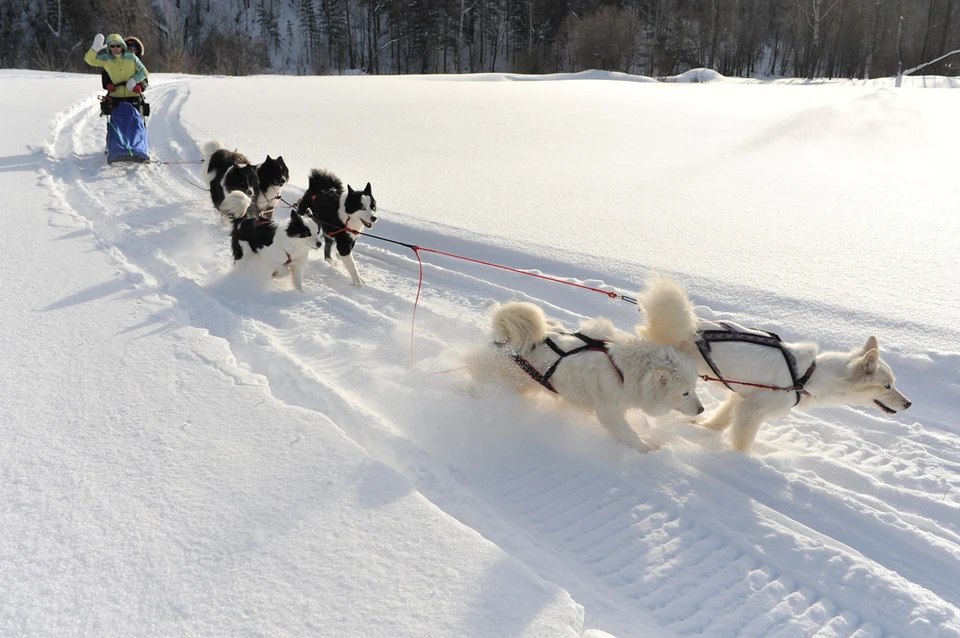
(885, 408)
(366, 223)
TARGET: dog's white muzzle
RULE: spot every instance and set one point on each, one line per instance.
(690, 405)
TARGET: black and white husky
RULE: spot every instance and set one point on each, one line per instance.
(341, 215)
(282, 247)
(239, 188)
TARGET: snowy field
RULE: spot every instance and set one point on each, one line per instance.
(188, 452)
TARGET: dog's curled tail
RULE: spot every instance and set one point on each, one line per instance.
(235, 205)
(322, 180)
(209, 148)
(519, 324)
(670, 319)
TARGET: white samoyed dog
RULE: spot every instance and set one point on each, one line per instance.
(598, 367)
(768, 377)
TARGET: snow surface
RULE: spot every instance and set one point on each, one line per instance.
(185, 450)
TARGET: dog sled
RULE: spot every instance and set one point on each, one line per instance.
(126, 131)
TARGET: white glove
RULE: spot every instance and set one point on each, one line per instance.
(97, 42)
(131, 83)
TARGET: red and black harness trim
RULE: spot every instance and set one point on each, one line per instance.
(543, 378)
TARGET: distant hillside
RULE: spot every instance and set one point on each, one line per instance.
(753, 38)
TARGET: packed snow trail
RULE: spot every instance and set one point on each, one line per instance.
(843, 524)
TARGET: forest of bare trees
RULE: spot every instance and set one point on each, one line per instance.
(792, 38)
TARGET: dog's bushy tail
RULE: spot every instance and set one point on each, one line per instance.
(209, 148)
(321, 180)
(235, 205)
(670, 319)
(519, 324)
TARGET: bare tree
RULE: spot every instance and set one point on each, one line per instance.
(807, 38)
(606, 40)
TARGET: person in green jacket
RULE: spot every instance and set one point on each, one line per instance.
(125, 69)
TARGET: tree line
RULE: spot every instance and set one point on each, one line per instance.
(749, 38)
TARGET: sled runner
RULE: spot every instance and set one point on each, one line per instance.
(126, 135)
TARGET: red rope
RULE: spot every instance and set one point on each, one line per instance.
(612, 295)
(165, 163)
(413, 319)
(416, 251)
(752, 385)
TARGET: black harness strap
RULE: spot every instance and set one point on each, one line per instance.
(768, 339)
(589, 344)
(533, 373)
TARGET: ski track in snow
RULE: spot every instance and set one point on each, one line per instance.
(693, 540)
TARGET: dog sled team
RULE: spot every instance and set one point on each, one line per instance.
(608, 371)
(246, 195)
(655, 369)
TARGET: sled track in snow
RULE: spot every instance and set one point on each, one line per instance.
(690, 541)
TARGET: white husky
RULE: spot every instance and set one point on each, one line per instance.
(768, 377)
(598, 367)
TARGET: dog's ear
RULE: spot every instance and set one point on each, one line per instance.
(871, 344)
(368, 190)
(868, 362)
(661, 376)
(268, 159)
(350, 189)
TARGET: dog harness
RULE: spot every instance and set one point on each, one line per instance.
(268, 211)
(760, 338)
(326, 233)
(589, 344)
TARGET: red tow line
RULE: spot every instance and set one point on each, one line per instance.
(753, 385)
(416, 251)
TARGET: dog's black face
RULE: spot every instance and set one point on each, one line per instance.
(241, 178)
(303, 227)
(362, 205)
(273, 172)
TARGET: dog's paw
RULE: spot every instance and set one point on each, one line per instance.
(330, 262)
(358, 281)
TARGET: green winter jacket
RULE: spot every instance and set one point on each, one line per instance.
(120, 68)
